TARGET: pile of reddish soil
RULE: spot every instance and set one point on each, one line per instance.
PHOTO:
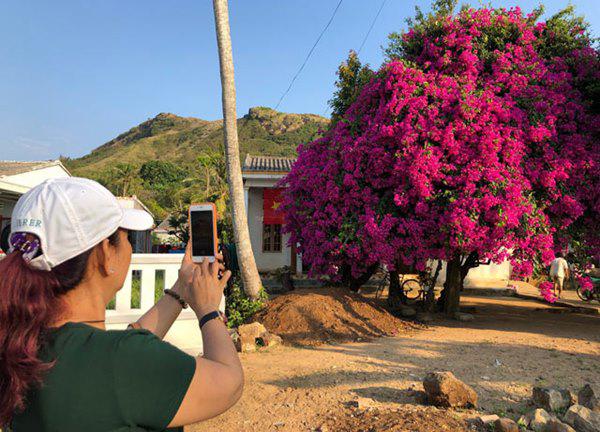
(426, 420)
(322, 315)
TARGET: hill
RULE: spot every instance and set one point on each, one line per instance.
(190, 151)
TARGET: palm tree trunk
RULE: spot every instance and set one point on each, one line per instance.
(249, 272)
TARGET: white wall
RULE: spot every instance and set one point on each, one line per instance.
(493, 275)
(185, 332)
(265, 261)
(21, 183)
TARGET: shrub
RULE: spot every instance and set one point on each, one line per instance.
(239, 307)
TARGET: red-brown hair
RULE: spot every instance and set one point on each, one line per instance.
(29, 304)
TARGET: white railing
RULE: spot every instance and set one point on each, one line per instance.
(147, 265)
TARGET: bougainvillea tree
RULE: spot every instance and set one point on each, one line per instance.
(472, 145)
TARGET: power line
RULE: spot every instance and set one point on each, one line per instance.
(372, 25)
(309, 54)
(362, 44)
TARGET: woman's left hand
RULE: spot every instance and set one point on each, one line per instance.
(186, 272)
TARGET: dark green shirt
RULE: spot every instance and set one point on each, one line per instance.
(107, 381)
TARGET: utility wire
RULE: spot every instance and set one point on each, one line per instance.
(309, 54)
(361, 45)
(372, 25)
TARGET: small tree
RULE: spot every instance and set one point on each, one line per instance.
(159, 175)
(122, 178)
(352, 77)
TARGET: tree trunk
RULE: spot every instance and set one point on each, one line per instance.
(395, 293)
(353, 283)
(452, 287)
(396, 296)
(249, 271)
(430, 295)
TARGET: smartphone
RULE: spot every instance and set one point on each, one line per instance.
(203, 231)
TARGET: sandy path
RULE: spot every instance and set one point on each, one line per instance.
(511, 346)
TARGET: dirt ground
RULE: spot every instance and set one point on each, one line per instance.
(511, 346)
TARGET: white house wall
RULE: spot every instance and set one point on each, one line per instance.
(265, 261)
(18, 184)
(492, 275)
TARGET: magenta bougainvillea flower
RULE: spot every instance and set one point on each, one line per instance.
(547, 291)
(450, 153)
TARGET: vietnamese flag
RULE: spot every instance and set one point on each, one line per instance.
(271, 203)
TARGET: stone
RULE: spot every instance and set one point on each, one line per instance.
(362, 403)
(583, 419)
(589, 397)
(552, 399)
(483, 421)
(445, 390)
(556, 425)
(464, 317)
(255, 334)
(536, 420)
(505, 425)
(271, 339)
(407, 312)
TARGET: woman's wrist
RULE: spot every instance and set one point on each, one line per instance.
(175, 296)
(203, 310)
(176, 287)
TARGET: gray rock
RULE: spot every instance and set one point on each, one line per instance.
(445, 390)
(589, 397)
(485, 420)
(536, 420)
(552, 399)
(556, 425)
(505, 425)
(482, 422)
(583, 419)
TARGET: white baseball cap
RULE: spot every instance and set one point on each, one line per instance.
(70, 216)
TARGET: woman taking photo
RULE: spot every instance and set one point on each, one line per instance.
(60, 370)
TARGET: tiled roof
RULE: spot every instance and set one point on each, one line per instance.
(268, 163)
(10, 168)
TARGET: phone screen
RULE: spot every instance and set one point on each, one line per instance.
(202, 233)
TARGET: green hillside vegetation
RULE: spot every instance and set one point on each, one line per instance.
(169, 161)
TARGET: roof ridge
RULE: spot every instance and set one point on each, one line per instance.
(19, 167)
(40, 161)
(268, 163)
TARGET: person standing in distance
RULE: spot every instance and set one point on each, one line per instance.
(559, 269)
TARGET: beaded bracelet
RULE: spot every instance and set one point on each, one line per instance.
(177, 297)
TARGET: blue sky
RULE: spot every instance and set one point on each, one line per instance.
(76, 73)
